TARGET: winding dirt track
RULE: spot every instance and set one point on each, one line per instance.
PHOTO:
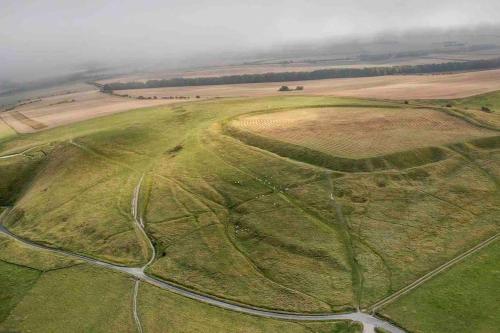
(136, 314)
(18, 154)
(140, 222)
(369, 321)
(140, 225)
(432, 273)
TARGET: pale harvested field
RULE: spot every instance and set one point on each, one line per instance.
(398, 87)
(361, 132)
(297, 65)
(69, 108)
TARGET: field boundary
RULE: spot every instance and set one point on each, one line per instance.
(21, 117)
(389, 299)
(2, 118)
(248, 309)
(398, 160)
(319, 74)
(457, 113)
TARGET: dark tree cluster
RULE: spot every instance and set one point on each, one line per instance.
(313, 75)
(286, 88)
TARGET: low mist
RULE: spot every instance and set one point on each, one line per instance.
(53, 38)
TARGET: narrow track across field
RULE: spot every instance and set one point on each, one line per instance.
(368, 320)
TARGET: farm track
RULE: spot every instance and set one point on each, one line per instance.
(369, 321)
(139, 222)
(23, 153)
(136, 314)
(432, 273)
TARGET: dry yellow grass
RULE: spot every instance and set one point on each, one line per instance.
(397, 87)
(64, 109)
(361, 132)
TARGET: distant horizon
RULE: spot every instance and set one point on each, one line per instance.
(48, 38)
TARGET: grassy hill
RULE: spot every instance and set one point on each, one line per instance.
(239, 220)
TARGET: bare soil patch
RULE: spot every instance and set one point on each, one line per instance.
(362, 132)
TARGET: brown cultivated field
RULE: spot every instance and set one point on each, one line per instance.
(361, 132)
(398, 87)
(64, 109)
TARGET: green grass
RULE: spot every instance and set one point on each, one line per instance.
(14, 252)
(15, 282)
(470, 108)
(80, 200)
(405, 224)
(44, 292)
(16, 173)
(222, 199)
(463, 299)
(380, 330)
(76, 299)
(489, 100)
(246, 224)
(162, 311)
(5, 131)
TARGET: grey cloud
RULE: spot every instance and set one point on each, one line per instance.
(47, 36)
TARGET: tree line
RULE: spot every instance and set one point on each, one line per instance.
(312, 75)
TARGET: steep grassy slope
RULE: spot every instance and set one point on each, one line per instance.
(17, 172)
(406, 223)
(248, 225)
(81, 203)
(80, 200)
(45, 292)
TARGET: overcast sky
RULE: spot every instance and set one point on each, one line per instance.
(46, 35)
